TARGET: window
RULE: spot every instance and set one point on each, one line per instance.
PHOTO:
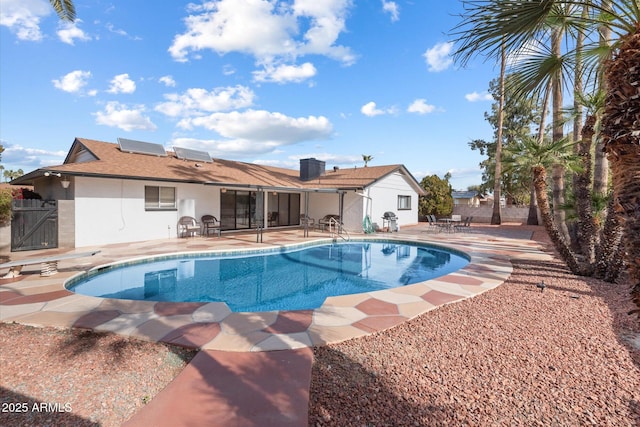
(404, 203)
(159, 198)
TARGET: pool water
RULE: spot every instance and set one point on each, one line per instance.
(291, 280)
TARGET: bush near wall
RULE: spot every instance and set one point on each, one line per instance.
(5, 205)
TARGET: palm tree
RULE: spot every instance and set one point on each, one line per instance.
(487, 24)
(538, 157)
(496, 217)
(65, 9)
(366, 159)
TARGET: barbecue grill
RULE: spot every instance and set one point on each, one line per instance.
(390, 220)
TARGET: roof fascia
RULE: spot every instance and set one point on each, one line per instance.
(403, 170)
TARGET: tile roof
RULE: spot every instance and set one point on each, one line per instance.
(104, 159)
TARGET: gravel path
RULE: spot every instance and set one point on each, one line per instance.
(511, 356)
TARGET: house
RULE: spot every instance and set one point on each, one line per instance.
(466, 198)
(110, 193)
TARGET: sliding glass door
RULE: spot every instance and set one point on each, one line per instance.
(238, 209)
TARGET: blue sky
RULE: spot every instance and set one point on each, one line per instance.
(259, 81)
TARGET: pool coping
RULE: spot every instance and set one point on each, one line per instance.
(43, 301)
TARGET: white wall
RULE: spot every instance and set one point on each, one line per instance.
(321, 204)
(112, 210)
(385, 198)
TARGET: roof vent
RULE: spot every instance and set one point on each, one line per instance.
(311, 169)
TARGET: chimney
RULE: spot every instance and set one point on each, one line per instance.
(311, 169)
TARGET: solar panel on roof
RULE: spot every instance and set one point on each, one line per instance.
(195, 155)
(140, 147)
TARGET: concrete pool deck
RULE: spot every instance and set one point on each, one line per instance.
(268, 340)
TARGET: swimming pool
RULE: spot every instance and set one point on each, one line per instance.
(297, 278)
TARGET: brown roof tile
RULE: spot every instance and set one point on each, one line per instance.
(111, 162)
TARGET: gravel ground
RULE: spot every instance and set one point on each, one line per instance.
(82, 378)
(511, 356)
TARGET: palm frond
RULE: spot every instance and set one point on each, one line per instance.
(65, 9)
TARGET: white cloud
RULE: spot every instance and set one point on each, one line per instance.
(392, 9)
(293, 162)
(438, 56)
(120, 116)
(73, 82)
(475, 96)
(122, 84)
(167, 81)
(285, 73)
(69, 32)
(420, 106)
(197, 101)
(370, 109)
(22, 17)
(31, 157)
(267, 130)
(221, 26)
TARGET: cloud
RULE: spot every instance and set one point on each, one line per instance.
(122, 84)
(69, 32)
(22, 17)
(24, 157)
(274, 33)
(293, 162)
(370, 109)
(119, 115)
(168, 81)
(285, 73)
(73, 82)
(438, 57)
(197, 101)
(420, 106)
(392, 9)
(263, 127)
(475, 96)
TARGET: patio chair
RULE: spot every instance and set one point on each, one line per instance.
(210, 224)
(306, 220)
(433, 224)
(326, 221)
(272, 218)
(188, 226)
(464, 225)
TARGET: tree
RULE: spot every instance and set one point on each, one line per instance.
(366, 159)
(496, 217)
(438, 200)
(488, 25)
(519, 115)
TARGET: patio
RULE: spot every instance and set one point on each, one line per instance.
(37, 300)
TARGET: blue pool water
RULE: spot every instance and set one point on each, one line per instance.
(291, 280)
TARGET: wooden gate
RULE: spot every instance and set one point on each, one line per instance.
(34, 225)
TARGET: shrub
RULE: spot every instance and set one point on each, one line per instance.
(5, 205)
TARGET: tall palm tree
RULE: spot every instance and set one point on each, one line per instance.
(366, 159)
(487, 24)
(65, 9)
(496, 216)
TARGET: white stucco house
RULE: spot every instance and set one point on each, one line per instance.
(109, 193)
